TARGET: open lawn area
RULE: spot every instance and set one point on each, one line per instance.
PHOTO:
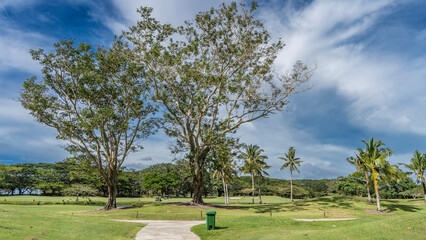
(406, 219)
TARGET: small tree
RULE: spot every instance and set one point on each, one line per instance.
(255, 165)
(224, 166)
(78, 190)
(418, 166)
(362, 169)
(291, 162)
(95, 101)
(218, 75)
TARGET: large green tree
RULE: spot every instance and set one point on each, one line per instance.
(255, 165)
(95, 100)
(291, 162)
(162, 178)
(211, 75)
(418, 166)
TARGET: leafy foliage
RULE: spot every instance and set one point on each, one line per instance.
(95, 101)
(215, 77)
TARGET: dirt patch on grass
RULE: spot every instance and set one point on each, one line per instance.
(378, 212)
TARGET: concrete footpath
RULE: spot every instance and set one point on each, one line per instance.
(166, 229)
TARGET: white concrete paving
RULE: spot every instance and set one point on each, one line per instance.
(166, 229)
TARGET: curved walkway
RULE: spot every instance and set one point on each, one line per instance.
(166, 229)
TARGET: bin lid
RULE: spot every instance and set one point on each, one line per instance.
(210, 212)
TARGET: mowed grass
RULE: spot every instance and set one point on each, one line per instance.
(58, 222)
(43, 200)
(239, 221)
(407, 220)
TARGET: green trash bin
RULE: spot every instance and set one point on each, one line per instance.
(210, 219)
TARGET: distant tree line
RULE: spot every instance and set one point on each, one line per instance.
(175, 180)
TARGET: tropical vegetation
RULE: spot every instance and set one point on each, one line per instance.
(291, 162)
(255, 165)
(418, 166)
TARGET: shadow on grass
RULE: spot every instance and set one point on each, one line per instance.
(403, 207)
(334, 201)
(276, 207)
(219, 228)
(8, 228)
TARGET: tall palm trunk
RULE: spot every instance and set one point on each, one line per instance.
(368, 187)
(424, 187)
(252, 187)
(291, 185)
(376, 188)
(260, 196)
(224, 188)
(226, 194)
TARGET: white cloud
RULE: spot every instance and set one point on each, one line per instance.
(14, 3)
(167, 11)
(385, 89)
(15, 47)
(155, 150)
(12, 112)
(276, 134)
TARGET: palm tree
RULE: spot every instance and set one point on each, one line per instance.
(375, 161)
(418, 166)
(291, 162)
(224, 169)
(362, 168)
(255, 164)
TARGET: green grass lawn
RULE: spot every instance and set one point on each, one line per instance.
(242, 221)
(58, 222)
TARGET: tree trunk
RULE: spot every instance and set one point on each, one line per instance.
(368, 187)
(260, 196)
(376, 188)
(112, 190)
(227, 194)
(291, 185)
(252, 187)
(198, 181)
(112, 197)
(424, 188)
(224, 189)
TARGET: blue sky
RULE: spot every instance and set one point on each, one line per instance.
(370, 78)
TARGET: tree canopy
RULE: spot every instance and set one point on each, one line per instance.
(95, 101)
(211, 75)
